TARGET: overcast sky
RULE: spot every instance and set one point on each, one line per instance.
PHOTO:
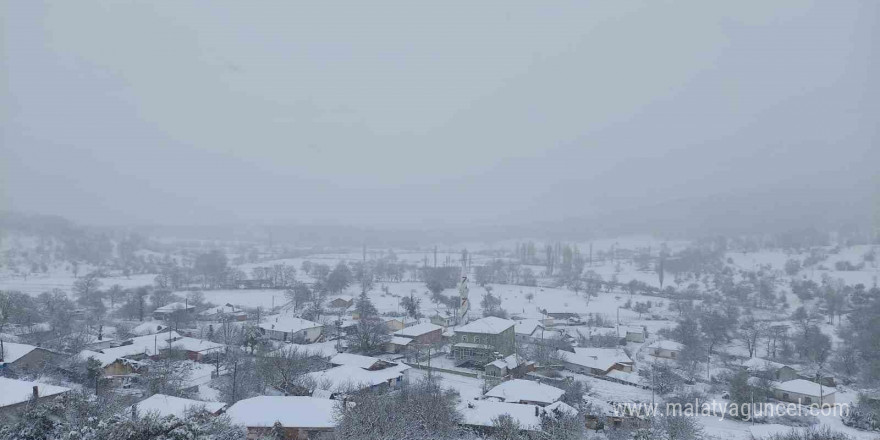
(416, 113)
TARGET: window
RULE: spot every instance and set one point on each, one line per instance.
(476, 340)
(673, 354)
(808, 400)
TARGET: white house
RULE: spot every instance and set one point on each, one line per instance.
(525, 391)
(291, 328)
(665, 349)
(302, 417)
(633, 333)
(804, 392)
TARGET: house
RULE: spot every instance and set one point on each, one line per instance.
(24, 356)
(596, 361)
(360, 361)
(16, 394)
(223, 313)
(349, 378)
(485, 339)
(195, 349)
(633, 333)
(422, 334)
(561, 314)
(665, 349)
(168, 310)
(398, 344)
(510, 365)
(443, 321)
(775, 370)
(163, 405)
(340, 303)
(480, 415)
(525, 391)
(528, 330)
(804, 392)
(153, 346)
(114, 367)
(301, 417)
(817, 375)
(290, 328)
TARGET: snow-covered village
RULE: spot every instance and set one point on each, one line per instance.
(385, 220)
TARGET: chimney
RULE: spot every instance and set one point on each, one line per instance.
(36, 392)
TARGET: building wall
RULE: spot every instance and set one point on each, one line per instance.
(802, 398)
(36, 359)
(504, 342)
(432, 337)
(667, 354)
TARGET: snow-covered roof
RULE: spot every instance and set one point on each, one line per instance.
(18, 391)
(399, 340)
(489, 325)
(561, 408)
(193, 344)
(287, 323)
(758, 364)
(596, 358)
(632, 378)
(596, 331)
(148, 328)
(220, 310)
(321, 349)
(805, 387)
(348, 378)
(417, 330)
(527, 327)
(354, 360)
(518, 390)
(666, 345)
(148, 344)
(290, 411)
(164, 405)
(173, 307)
(483, 412)
(13, 352)
(510, 362)
(632, 329)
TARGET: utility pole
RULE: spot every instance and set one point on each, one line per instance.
(435, 256)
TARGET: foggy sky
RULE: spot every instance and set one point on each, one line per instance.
(410, 113)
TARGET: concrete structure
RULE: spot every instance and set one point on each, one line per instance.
(484, 340)
(804, 392)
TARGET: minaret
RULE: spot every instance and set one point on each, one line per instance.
(464, 305)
